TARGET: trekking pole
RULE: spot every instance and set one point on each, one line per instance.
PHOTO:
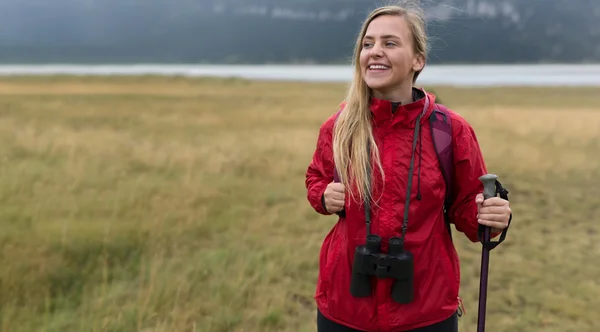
(489, 190)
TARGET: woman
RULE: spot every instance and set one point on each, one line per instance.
(381, 133)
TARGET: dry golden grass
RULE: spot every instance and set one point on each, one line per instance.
(168, 204)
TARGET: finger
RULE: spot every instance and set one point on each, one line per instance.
(335, 207)
(479, 198)
(493, 217)
(495, 201)
(494, 210)
(493, 224)
(335, 202)
(479, 201)
(337, 187)
(338, 201)
(337, 196)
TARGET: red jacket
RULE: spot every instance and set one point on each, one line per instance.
(437, 275)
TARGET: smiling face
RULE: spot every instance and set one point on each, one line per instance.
(387, 59)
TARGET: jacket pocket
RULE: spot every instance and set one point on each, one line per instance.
(448, 268)
(330, 254)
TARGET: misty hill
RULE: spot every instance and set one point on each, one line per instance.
(260, 31)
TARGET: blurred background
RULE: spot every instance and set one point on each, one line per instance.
(154, 152)
(294, 31)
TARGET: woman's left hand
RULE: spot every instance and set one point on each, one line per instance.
(494, 212)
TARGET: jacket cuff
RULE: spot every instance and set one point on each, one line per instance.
(323, 202)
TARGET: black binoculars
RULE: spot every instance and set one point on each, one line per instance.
(397, 264)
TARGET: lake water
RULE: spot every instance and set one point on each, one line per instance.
(459, 75)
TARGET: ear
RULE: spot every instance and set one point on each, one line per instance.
(419, 62)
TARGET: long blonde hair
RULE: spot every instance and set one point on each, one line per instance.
(353, 136)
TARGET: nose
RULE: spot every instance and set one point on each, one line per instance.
(376, 51)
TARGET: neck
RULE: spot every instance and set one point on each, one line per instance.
(403, 95)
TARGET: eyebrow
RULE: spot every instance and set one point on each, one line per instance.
(388, 36)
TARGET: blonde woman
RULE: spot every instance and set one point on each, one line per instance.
(382, 135)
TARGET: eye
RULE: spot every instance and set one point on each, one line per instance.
(390, 44)
(367, 44)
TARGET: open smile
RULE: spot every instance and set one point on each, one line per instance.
(378, 68)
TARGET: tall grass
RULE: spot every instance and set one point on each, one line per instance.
(168, 204)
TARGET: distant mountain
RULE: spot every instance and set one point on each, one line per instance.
(297, 31)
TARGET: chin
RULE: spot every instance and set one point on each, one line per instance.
(376, 84)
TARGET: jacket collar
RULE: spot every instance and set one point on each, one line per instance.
(405, 114)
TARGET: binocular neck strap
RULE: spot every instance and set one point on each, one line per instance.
(411, 169)
(367, 201)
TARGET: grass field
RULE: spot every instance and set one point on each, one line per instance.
(166, 204)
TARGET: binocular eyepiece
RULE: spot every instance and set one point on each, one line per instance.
(369, 261)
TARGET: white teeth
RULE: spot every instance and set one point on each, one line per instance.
(378, 67)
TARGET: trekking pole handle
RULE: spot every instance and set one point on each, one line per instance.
(489, 185)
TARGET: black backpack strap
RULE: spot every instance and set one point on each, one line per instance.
(503, 193)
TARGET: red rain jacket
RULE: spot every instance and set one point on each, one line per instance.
(437, 275)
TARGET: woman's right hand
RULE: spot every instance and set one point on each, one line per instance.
(334, 197)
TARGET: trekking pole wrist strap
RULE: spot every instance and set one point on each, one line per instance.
(503, 193)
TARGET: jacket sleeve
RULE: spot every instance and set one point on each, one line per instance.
(468, 166)
(320, 170)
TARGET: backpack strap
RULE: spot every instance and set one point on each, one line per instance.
(441, 133)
